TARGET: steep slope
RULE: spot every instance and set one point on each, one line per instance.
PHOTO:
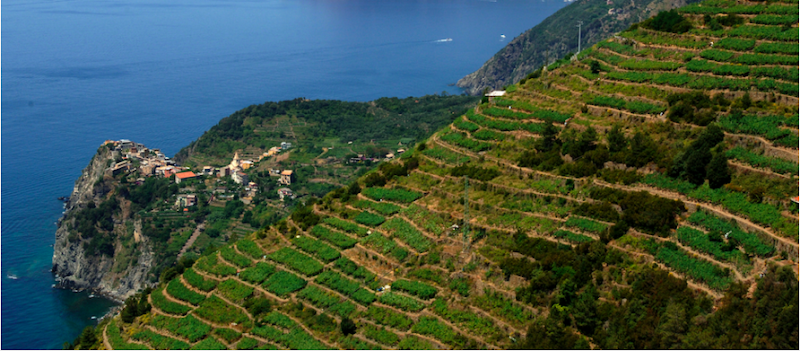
(636, 197)
(94, 248)
(557, 35)
(122, 229)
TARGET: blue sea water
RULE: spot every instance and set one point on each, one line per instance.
(75, 73)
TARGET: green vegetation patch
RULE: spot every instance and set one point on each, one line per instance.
(380, 335)
(460, 139)
(115, 338)
(370, 219)
(751, 242)
(352, 343)
(475, 324)
(217, 310)
(414, 343)
(280, 319)
(712, 244)
(234, 290)
(282, 283)
(586, 224)
(209, 343)
(227, 334)
(428, 220)
(357, 271)
(420, 289)
(344, 225)
(399, 228)
(160, 342)
(402, 302)
(258, 273)
(317, 248)
(187, 327)
(211, 264)
(230, 255)
(385, 246)
(340, 240)
(432, 326)
(161, 302)
(776, 164)
(327, 300)
(345, 286)
(179, 291)
(384, 208)
(389, 317)
(247, 344)
(296, 260)
(503, 307)
(250, 248)
(396, 195)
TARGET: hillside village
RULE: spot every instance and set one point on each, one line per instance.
(142, 161)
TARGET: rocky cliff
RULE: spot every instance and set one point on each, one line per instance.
(113, 260)
(557, 35)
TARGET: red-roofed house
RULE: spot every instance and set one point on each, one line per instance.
(184, 176)
(796, 199)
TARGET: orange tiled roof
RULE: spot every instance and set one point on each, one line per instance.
(184, 175)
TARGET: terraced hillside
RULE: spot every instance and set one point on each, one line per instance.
(637, 196)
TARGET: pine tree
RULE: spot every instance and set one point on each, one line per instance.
(696, 166)
(616, 139)
(718, 172)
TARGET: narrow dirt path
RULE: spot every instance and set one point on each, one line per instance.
(175, 300)
(765, 171)
(192, 287)
(106, 343)
(192, 239)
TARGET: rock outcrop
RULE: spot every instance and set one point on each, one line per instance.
(557, 35)
(112, 275)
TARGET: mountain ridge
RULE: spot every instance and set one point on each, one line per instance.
(557, 36)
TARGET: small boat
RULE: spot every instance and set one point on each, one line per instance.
(74, 290)
(502, 35)
(12, 276)
(91, 296)
(94, 317)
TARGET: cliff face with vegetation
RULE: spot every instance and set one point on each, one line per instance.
(95, 246)
(557, 35)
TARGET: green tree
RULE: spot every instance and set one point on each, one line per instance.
(673, 326)
(718, 173)
(348, 326)
(616, 139)
(643, 150)
(88, 339)
(594, 66)
(548, 140)
(696, 163)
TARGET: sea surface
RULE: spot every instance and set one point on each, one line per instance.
(75, 73)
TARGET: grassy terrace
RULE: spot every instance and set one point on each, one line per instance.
(611, 197)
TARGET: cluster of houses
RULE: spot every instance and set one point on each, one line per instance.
(390, 156)
(153, 163)
(276, 150)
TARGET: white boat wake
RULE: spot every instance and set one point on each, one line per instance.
(443, 40)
